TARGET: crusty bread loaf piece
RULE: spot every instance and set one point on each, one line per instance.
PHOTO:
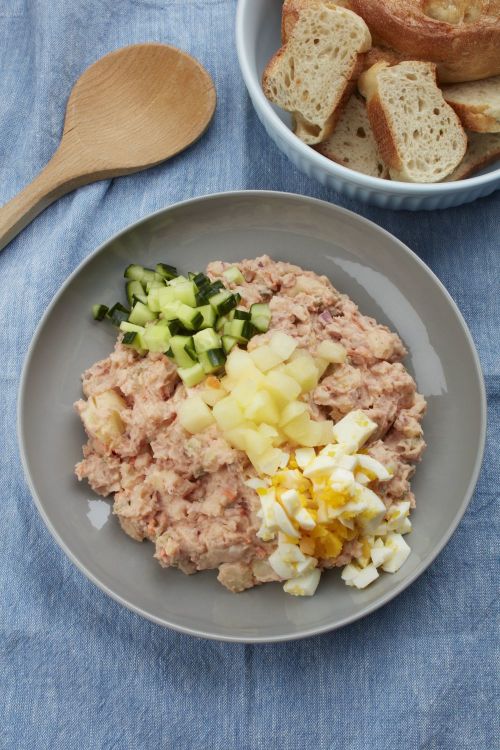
(482, 149)
(315, 71)
(461, 36)
(477, 103)
(291, 10)
(352, 143)
(383, 54)
(419, 135)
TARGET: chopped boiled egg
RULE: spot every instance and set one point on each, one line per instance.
(304, 585)
(353, 430)
(304, 456)
(399, 552)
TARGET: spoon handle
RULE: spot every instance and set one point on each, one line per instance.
(54, 181)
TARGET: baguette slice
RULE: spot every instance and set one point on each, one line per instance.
(482, 149)
(476, 103)
(352, 143)
(291, 10)
(419, 135)
(314, 73)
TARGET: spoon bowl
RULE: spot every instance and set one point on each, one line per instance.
(132, 109)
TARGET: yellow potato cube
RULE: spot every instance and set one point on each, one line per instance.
(282, 386)
(256, 443)
(245, 392)
(291, 411)
(262, 408)
(282, 345)
(264, 358)
(297, 427)
(317, 433)
(228, 414)
(332, 351)
(304, 371)
(240, 365)
(194, 415)
(212, 395)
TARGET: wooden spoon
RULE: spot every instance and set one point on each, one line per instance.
(132, 109)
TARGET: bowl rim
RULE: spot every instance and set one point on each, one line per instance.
(264, 108)
(306, 632)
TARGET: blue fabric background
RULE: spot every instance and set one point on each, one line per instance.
(78, 671)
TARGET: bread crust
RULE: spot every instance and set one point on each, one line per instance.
(475, 118)
(462, 52)
(292, 8)
(482, 150)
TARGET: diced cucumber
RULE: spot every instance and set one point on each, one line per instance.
(241, 315)
(118, 313)
(260, 315)
(206, 340)
(191, 376)
(209, 290)
(156, 338)
(134, 272)
(178, 280)
(176, 327)
(200, 279)
(181, 347)
(129, 338)
(223, 302)
(228, 343)
(221, 322)
(131, 327)
(168, 272)
(185, 293)
(135, 290)
(189, 316)
(241, 330)
(153, 300)
(234, 275)
(209, 316)
(99, 311)
(170, 310)
(166, 296)
(141, 314)
(138, 331)
(212, 360)
(156, 284)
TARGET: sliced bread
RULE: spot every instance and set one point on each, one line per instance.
(352, 143)
(477, 103)
(290, 14)
(315, 71)
(419, 135)
(482, 149)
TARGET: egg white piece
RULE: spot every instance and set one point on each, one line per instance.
(319, 466)
(305, 520)
(353, 430)
(399, 553)
(304, 585)
(304, 456)
(373, 466)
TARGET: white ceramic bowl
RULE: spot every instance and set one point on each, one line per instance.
(257, 39)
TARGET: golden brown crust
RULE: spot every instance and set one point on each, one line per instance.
(483, 149)
(474, 118)
(382, 133)
(463, 51)
(292, 8)
(383, 54)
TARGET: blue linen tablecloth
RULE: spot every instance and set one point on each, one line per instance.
(77, 670)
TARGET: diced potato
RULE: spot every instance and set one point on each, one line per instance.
(297, 427)
(353, 430)
(237, 436)
(211, 396)
(262, 409)
(291, 411)
(282, 345)
(270, 461)
(317, 433)
(194, 415)
(264, 358)
(240, 365)
(228, 414)
(321, 365)
(332, 351)
(256, 443)
(304, 371)
(245, 392)
(101, 416)
(272, 433)
(282, 386)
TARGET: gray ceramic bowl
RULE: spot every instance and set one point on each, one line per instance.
(385, 278)
(258, 34)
